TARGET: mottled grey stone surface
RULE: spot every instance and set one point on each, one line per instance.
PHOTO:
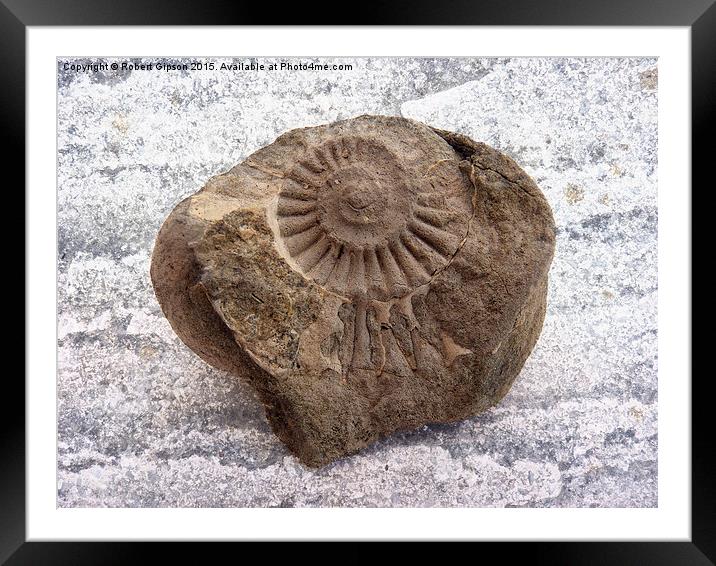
(142, 421)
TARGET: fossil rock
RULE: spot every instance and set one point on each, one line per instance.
(365, 276)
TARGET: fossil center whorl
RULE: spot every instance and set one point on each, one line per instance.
(361, 207)
(358, 222)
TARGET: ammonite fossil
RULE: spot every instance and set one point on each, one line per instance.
(366, 276)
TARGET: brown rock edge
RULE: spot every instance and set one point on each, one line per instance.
(366, 276)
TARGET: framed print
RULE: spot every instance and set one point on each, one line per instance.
(372, 282)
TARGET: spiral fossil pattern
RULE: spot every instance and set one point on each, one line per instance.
(359, 224)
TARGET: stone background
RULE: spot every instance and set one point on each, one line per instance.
(142, 421)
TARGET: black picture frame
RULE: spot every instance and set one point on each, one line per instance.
(699, 15)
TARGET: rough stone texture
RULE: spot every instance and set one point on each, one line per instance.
(142, 421)
(366, 276)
